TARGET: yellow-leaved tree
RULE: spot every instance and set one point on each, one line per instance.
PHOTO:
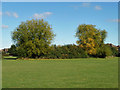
(90, 38)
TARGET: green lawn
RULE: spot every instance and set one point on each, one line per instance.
(73, 73)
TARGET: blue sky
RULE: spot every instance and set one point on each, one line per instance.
(64, 18)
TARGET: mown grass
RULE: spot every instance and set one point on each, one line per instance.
(69, 73)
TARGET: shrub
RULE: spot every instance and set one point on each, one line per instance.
(12, 50)
(5, 54)
(67, 51)
(104, 51)
(114, 51)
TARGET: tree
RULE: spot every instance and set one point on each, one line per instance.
(90, 38)
(33, 37)
(12, 50)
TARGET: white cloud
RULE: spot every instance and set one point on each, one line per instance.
(0, 13)
(4, 26)
(98, 7)
(42, 15)
(8, 13)
(15, 15)
(86, 4)
(82, 5)
(114, 20)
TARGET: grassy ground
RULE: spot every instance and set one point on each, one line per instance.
(74, 73)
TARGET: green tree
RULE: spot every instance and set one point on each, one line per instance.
(12, 50)
(33, 38)
(90, 38)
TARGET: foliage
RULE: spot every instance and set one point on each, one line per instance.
(66, 51)
(108, 50)
(104, 51)
(114, 51)
(33, 38)
(12, 50)
(119, 52)
(5, 54)
(90, 38)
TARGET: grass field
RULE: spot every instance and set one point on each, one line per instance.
(74, 73)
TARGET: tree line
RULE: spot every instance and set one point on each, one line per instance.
(33, 40)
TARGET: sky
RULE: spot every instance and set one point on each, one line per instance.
(64, 17)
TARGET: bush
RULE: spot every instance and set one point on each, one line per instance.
(104, 51)
(67, 51)
(5, 54)
(114, 51)
(12, 51)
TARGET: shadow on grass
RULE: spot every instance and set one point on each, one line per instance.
(10, 58)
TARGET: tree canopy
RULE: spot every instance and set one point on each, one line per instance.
(90, 38)
(33, 37)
